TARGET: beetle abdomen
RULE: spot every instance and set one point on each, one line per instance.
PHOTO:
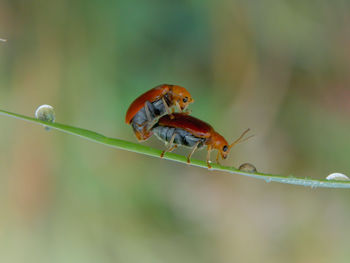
(140, 123)
(182, 137)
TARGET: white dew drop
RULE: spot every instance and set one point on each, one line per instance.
(314, 185)
(3, 40)
(268, 179)
(337, 177)
(45, 113)
(247, 167)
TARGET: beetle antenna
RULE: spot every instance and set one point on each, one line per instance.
(240, 138)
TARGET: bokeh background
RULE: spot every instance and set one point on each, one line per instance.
(280, 67)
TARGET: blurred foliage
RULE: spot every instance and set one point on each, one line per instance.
(278, 67)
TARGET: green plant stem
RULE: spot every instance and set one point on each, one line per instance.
(142, 149)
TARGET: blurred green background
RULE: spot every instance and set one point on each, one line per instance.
(280, 67)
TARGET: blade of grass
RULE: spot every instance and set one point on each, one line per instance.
(142, 149)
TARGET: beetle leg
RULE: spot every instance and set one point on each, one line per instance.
(148, 113)
(184, 110)
(188, 112)
(178, 106)
(170, 147)
(166, 106)
(217, 158)
(150, 124)
(149, 109)
(208, 157)
(193, 150)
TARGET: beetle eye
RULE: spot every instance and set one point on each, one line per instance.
(225, 148)
(185, 99)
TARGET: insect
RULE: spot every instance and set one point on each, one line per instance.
(144, 111)
(189, 131)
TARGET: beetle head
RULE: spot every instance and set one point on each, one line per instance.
(181, 96)
(219, 143)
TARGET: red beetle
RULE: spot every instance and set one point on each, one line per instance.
(144, 111)
(188, 131)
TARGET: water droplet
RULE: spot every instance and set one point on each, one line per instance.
(247, 167)
(45, 113)
(3, 40)
(268, 179)
(313, 185)
(337, 177)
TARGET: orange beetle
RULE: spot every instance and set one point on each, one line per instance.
(188, 131)
(144, 111)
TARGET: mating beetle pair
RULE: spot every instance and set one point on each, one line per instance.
(154, 113)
